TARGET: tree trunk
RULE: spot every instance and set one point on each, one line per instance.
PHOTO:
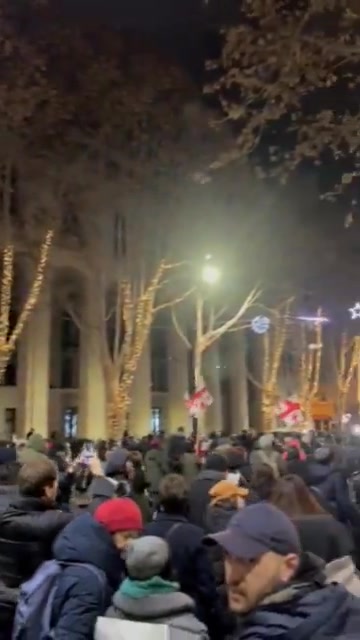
(119, 403)
(198, 380)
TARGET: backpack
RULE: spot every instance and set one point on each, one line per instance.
(35, 605)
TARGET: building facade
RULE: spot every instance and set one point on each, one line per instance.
(55, 381)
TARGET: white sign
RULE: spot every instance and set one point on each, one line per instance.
(114, 629)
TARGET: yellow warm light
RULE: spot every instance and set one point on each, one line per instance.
(8, 342)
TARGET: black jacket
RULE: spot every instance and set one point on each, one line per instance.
(199, 498)
(27, 530)
(193, 567)
(325, 537)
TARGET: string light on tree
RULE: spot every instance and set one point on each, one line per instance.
(355, 311)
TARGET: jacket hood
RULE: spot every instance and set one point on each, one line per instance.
(153, 607)
(37, 443)
(317, 473)
(218, 516)
(85, 541)
(343, 571)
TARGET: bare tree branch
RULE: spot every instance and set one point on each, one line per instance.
(179, 330)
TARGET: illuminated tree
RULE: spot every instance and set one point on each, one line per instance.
(272, 348)
(23, 93)
(209, 325)
(311, 349)
(347, 366)
(281, 70)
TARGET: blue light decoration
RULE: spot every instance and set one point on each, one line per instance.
(260, 324)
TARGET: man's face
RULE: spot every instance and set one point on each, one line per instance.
(249, 582)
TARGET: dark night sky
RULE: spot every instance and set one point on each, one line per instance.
(181, 25)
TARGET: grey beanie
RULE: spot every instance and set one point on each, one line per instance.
(146, 557)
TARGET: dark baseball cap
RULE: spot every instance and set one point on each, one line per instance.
(255, 530)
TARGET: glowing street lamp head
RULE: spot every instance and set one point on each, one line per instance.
(210, 274)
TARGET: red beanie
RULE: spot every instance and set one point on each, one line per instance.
(119, 514)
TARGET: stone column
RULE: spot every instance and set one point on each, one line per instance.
(140, 410)
(178, 382)
(238, 383)
(212, 375)
(92, 404)
(34, 368)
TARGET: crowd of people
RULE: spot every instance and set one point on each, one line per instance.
(259, 538)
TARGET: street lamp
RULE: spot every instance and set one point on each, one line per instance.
(210, 274)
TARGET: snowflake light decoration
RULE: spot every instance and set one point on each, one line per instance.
(260, 324)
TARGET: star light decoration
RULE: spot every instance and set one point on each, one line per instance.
(260, 324)
(355, 311)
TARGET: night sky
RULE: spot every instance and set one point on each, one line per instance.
(184, 27)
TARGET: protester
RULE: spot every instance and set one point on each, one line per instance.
(30, 524)
(216, 468)
(226, 499)
(35, 449)
(155, 467)
(319, 532)
(98, 541)
(262, 482)
(9, 470)
(277, 591)
(264, 453)
(188, 555)
(327, 480)
(150, 594)
(190, 464)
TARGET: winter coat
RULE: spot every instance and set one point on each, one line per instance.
(199, 498)
(80, 596)
(155, 467)
(324, 536)
(142, 501)
(8, 494)
(28, 529)
(192, 565)
(303, 611)
(330, 483)
(217, 519)
(307, 607)
(8, 602)
(139, 602)
(190, 468)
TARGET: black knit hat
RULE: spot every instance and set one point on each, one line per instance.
(216, 462)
